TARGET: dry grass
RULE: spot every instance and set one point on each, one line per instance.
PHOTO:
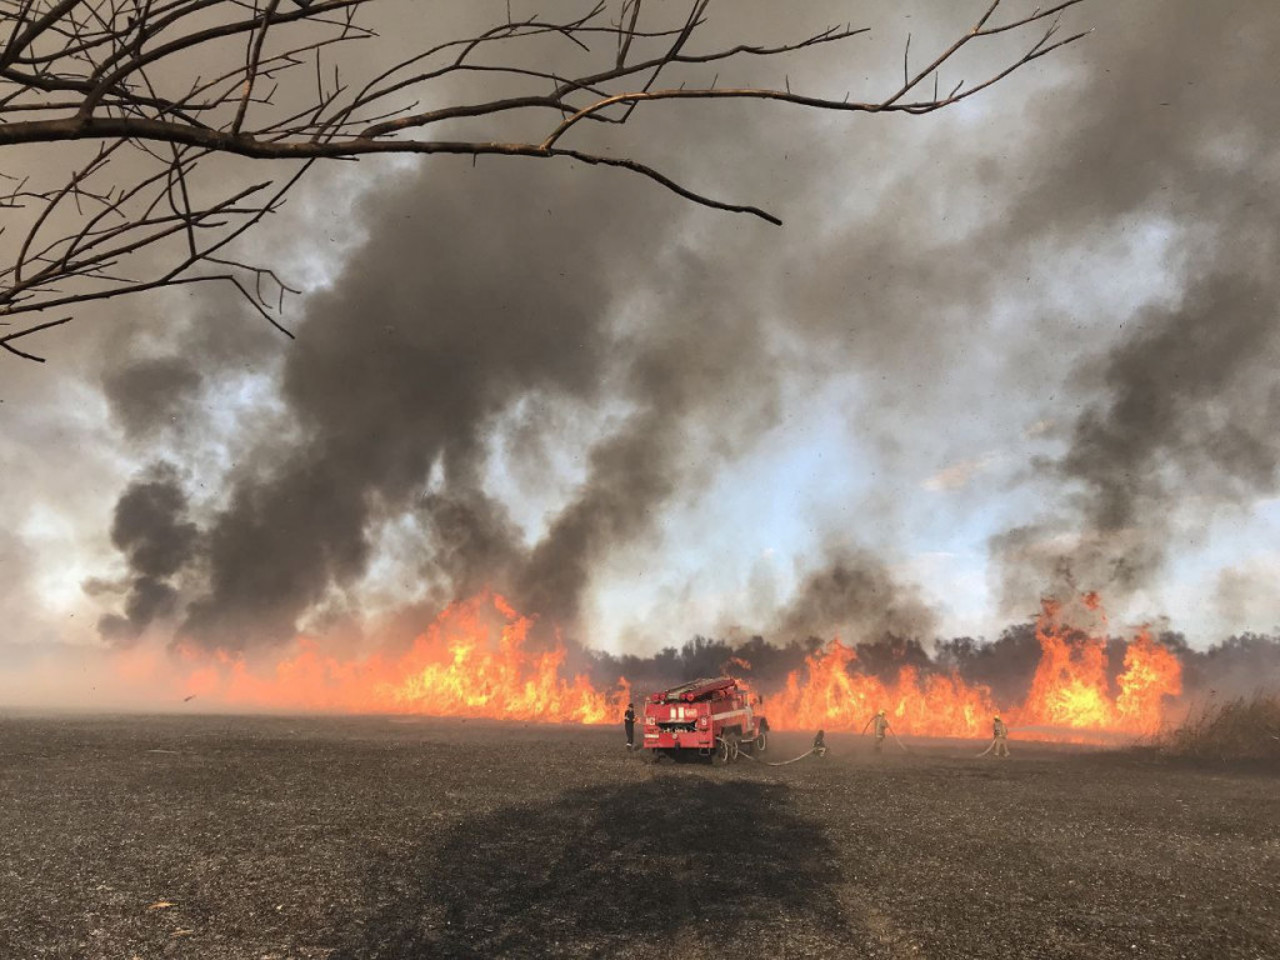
(1240, 729)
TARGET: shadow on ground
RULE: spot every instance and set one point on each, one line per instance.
(610, 871)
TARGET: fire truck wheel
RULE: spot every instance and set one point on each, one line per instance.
(722, 754)
(734, 748)
(762, 742)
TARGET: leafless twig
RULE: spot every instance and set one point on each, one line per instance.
(124, 73)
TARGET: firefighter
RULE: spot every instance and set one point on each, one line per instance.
(1001, 734)
(629, 722)
(882, 727)
(820, 744)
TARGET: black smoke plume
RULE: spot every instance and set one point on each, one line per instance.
(481, 290)
(459, 306)
(1184, 425)
(855, 594)
(151, 393)
(151, 529)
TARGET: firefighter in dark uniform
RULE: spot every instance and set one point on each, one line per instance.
(629, 721)
(820, 744)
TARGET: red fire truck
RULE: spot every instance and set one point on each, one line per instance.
(712, 719)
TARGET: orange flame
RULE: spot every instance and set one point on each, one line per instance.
(1152, 674)
(475, 660)
(1070, 686)
(832, 697)
(1070, 692)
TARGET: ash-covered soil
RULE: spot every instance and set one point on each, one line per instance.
(216, 837)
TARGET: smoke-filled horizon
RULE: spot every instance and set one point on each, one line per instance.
(1021, 348)
(901, 667)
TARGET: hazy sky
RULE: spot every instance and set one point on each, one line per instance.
(1015, 346)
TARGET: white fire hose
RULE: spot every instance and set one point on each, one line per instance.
(768, 763)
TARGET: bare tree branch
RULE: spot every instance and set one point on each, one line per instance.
(153, 207)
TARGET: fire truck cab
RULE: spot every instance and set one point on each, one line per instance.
(713, 719)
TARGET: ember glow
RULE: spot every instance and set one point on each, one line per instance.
(475, 660)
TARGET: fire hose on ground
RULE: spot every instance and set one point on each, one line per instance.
(767, 763)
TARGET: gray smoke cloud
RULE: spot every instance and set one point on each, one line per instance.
(446, 316)
(461, 304)
(1185, 428)
(1180, 421)
(707, 359)
(151, 393)
(857, 597)
(1246, 597)
(153, 532)
(1172, 409)
(668, 334)
(477, 545)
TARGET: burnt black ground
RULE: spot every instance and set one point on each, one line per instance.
(352, 838)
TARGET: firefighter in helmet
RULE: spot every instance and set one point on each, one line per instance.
(820, 744)
(629, 722)
(1001, 734)
(882, 727)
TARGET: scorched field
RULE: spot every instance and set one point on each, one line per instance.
(347, 838)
